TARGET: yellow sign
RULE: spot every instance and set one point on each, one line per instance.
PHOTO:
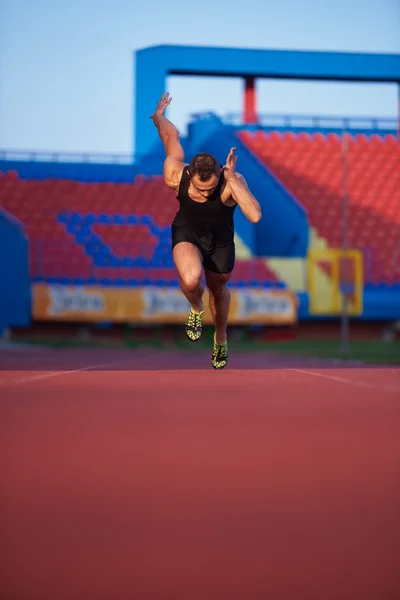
(332, 274)
(155, 305)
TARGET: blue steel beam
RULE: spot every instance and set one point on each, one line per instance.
(154, 64)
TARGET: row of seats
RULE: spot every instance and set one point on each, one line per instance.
(70, 267)
(77, 273)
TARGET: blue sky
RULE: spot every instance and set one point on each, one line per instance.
(67, 69)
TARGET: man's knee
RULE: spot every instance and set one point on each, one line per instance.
(218, 291)
(217, 285)
(190, 280)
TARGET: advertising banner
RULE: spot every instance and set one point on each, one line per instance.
(155, 305)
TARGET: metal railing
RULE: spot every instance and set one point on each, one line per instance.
(369, 124)
(59, 156)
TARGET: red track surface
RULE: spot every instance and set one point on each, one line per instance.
(138, 475)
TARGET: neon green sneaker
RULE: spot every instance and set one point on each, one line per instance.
(194, 325)
(219, 357)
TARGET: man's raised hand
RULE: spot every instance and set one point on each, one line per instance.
(230, 165)
(162, 104)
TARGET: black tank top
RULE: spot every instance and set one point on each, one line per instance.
(211, 221)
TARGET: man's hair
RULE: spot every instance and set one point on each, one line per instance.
(204, 165)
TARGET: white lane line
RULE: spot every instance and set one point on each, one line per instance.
(363, 384)
(47, 375)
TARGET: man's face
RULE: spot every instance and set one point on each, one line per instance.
(205, 188)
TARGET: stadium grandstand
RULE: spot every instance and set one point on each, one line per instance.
(325, 185)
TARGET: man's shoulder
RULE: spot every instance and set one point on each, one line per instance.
(173, 170)
(174, 165)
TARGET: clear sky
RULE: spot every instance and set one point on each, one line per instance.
(67, 69)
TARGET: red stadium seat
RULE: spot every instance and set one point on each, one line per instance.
(311, 169)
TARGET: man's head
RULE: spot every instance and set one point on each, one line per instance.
(204, 172)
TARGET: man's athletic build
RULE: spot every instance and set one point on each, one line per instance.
(203, 229)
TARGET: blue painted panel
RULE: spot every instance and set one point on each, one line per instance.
(380, 302)
(15, 297)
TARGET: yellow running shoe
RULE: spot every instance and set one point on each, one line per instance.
(194, 325)
(219, 357)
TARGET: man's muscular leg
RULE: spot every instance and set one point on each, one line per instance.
(219, 302)
(188, 262)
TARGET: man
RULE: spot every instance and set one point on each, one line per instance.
(203, 228)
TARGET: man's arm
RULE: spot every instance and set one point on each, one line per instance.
(240, 191)
(242, 196)
(170, 137)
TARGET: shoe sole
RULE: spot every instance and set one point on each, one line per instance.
(191, 340)
(219, 368)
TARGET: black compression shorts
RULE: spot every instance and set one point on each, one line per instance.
(218, 259)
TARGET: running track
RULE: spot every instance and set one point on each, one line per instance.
(148, 475)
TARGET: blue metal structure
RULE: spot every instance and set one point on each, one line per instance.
(156, 63)
(15, 296)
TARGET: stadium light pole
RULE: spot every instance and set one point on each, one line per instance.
(343, 275)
